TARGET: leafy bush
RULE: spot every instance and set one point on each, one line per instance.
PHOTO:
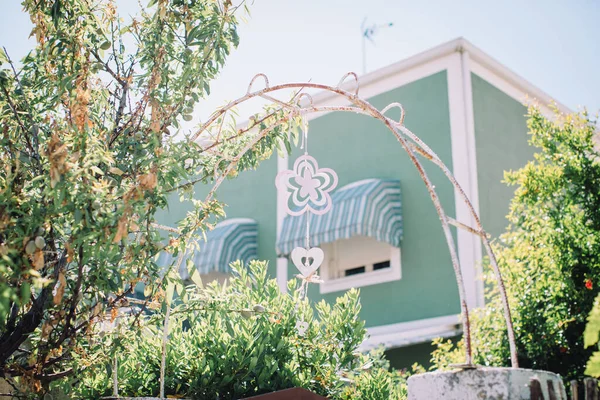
(549, 256)
(241, 339)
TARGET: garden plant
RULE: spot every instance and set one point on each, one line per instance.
(549, 255)
(238, 340)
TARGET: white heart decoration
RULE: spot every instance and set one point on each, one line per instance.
(307, 261)
(301, 326)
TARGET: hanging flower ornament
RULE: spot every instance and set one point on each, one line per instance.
(307, 187)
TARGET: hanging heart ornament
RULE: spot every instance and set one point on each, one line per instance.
(302, 327)
(307, 261)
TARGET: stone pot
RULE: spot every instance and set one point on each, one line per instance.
(487, 384)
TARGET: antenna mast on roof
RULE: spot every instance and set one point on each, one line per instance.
(367, 34)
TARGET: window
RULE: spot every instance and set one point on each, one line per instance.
(354, 271)
(358, 261)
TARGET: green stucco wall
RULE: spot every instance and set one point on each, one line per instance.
(359, 147)
(501, 143)
(252, 194)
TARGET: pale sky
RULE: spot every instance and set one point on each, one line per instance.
(554, 44)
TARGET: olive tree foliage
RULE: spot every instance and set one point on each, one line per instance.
(87, 158)
(549, 255)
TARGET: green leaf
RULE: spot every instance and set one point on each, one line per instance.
(179, 289)
(279, 147)
(235, 38)
(55, 12)
(592, 329)
(115, 170)
(593, 365)
(195, 277)
(169, 292)
(192, 34)
(97, 170)
(77, 215)
(288, 146)
(3, 57)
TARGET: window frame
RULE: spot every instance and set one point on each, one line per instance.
(368, 278)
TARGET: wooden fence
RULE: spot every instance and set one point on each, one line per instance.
(586, 390)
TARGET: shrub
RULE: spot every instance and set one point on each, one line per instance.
(549, 255)
(242, 339)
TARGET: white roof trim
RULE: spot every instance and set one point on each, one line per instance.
(458, 45)
(412, 332)
(415, 61)
(510, 77)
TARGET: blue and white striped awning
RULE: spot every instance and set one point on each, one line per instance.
(231, 240)
(371, 207)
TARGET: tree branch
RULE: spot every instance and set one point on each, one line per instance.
(11, 340)
(19, 122)
(108, 69)
(74, 297)
(119, 116)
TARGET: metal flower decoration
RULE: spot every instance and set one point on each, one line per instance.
(307, 186)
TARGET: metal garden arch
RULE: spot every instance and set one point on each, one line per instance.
(411, 143)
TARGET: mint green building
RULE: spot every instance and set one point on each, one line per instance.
(470, 110)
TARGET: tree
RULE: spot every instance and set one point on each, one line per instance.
(87, 159)
(549, 255)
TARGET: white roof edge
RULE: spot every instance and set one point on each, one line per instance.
(411, 62)
(457, 45)
(508, 75)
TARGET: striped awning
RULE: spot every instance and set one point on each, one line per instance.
(231, 240)
(371, 207)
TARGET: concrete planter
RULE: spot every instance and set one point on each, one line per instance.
(487, 384)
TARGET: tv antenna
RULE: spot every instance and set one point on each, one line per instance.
(368, 32)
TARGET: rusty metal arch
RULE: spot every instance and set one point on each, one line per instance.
(411, 143)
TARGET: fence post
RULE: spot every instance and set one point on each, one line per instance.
(551, 391)
(591, 389)
(574, 390)
(535, 390)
